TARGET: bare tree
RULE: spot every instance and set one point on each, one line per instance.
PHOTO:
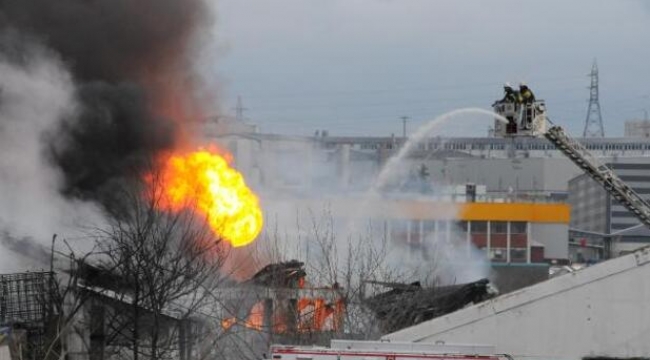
(346, 265)
(164, 268)
(337, 270)
(349, 270)
(65, 302)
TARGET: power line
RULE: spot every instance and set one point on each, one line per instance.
(442, 88)
(374, 103)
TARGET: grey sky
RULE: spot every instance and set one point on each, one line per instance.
(355, 66)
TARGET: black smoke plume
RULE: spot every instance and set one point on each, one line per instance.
(131, 61)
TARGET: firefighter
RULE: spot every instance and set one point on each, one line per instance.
(509, 94)
(527, 98)
(526, 95)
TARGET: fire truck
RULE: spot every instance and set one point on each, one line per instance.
(529, 119)
(385, 350)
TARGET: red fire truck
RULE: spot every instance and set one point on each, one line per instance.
(383, 350)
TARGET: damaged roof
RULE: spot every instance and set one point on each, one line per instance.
(410, 304)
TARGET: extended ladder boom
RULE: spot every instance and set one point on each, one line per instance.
(600, 173)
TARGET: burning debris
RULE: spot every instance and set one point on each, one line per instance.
(287, 305)
(290, 274)
(410, 304)
(281, 303)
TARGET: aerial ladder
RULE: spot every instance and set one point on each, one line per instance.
(530, 120)
(600, 173)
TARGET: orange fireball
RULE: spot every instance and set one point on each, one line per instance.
(205, 180)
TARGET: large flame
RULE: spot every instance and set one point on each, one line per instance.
(205, 180)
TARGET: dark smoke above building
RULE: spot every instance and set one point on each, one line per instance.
(132, 66)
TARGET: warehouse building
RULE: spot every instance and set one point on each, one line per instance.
(504, 230)
(598, 221)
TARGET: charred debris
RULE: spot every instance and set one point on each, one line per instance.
(282, 306)
(406, 305)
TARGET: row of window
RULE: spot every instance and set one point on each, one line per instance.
(500, 254)
(476, 227)
(501, 146)
(495, 254)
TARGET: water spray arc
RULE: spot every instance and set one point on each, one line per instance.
(422, 132)
(446, 251)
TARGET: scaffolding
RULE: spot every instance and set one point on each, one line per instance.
(27, 303)
(24, 297)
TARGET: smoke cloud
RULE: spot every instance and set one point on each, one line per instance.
(131, 63)
(36, 91)
(90, 91)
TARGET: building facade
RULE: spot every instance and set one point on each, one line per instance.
(598, 220)
(638, 128)
(503, 231)
(523, 165)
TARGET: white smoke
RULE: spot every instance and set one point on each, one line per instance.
(36, 92)
(306, 205)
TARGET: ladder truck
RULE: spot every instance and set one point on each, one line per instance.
(530, 120)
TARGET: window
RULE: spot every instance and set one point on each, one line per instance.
(518, 255)
(461, 226)
(479, 227)
(497, 254)
(399, 230)
(442, 226)
(498, 227)
(428, 226)
(518, 227)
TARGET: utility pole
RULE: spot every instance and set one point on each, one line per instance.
(239, 109)
(404, 119)
(594, 122)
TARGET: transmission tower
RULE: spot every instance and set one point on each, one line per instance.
(594, 122)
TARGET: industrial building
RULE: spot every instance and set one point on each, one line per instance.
(502, 164)
(506, 231)
(638, 128)
(598, 221)
(525, 170)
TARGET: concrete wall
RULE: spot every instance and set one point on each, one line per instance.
(598, 311)
(518, 174)
(510, 277)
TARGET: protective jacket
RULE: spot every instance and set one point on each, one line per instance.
(527, 96)
(510, 96)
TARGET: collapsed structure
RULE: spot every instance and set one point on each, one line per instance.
(406, 305)
(274, 306)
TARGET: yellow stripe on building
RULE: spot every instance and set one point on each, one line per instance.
(445, 210)
(533, 212)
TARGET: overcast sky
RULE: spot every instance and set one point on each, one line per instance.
(355, 66)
